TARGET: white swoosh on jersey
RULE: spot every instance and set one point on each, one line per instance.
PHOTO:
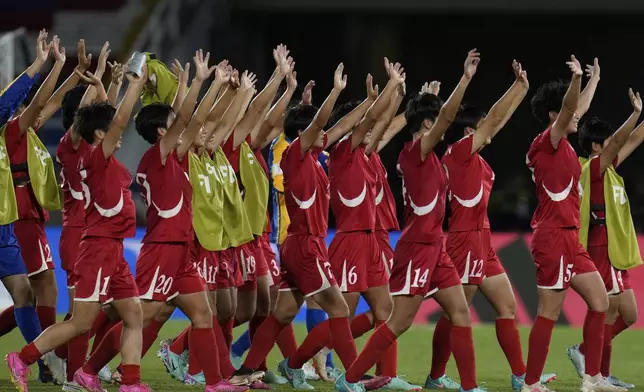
(171, 212)
(381, 194)
(110, 212)
(423, 210)
(306, 204)
(469, 203)
(142, 180)
(75, 195)
(355, 201)
(559, 196)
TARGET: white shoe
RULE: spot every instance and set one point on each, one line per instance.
(309, 372)
(58, 366)
(105, 375)
(536, 387)
(72, 386)
(598, 383)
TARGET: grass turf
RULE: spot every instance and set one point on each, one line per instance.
(414, 357)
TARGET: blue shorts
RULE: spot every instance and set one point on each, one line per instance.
(11, 262)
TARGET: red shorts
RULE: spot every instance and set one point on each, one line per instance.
(357, 261)
(305, 266)
(473, 256)
(559, 256)
(206, 263)
(421, 269)
(626, 280)
(70, 238)
(33, 245)
(102, 274)
(270, 259)
(233, 274)
(165, 270)
(612, 277)
(385, 247)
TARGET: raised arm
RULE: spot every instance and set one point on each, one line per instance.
(115, 83)
(199, 118)
(502, 109)
(94, 82)
(622, 135)
(41, 56)
(570, 104)
(124, 111)
(182, 74)
(312, 132)
(450, 109)
(586, 97)
(272, 126)
(91, 92)
(381, 127)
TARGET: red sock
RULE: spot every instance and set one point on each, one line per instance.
(265, 338)
(376, 346)
(619, 326)
(227, 329)
(582, 348)
(538, 346)
(387, 365)
(150, 334)
(463, 350)
(62, 350)
(7, 321)
(181, 342)
(342, 340)
(594, 340)
(131, 374)
(194, 367)
(509, 339)
(101, 328)
(286, 341)
(226, 368)
(46, 315)
(202, 342)
(607, 350)
(77, 352)
(441, 349)
(29, 354)
(315, 340)
(253, 325)
(360, 325)
(109, 348)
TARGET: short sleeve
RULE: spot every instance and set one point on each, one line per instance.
(341, 152)
(461, 151)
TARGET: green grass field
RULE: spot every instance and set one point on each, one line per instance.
(414, 356)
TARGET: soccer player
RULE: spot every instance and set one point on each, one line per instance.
(560, 259)
(421, 267)
(606, 150)
(103, 274)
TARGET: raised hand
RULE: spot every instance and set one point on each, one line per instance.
(372, 92)
(234, 81)
(339, 79)
(307, 94)
(574, 65)
(202, 72)
(520, 73)
(471, 63)
(593, 70)
(102, 58)
(248, 80)
(88, 77)
(433, 87)
(291, 81)
(397, 73)
(281, 52)
(117, 72)
(42, 49)
(222, 73)
(636, 100)
(133, 79)
(181, 73)
(57, 51)
(84, 61)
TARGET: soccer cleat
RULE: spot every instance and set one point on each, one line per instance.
(166, 342)
(319, 364)
(236, 360)
(135, 388)
(399, 384)
(536, 387)
(578, 359)
(105, 375)
(194, 379)
(261, 385)
(342, 385)
(598, 383)
(172, 362)
(72, 386)
(57, 366)
(45, 376)
(309, 372)
(442, 382)
(274, 378)
(116, 378)
(333, 373)
(619, 383)
(18, 371)
(87, 381)
(375, 382)
(477, 389)
(295, 377)
(225, 386)
(518, 381)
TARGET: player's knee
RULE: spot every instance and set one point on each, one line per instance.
(460, 315)
(339, 309)
(285, 312)
(22, 295)
(81, 325)
(382, 311)
(263, 306)
(133, 317)
(507, 309)
(224, 312)
(599, 303)
(629, 318)
(399, 325)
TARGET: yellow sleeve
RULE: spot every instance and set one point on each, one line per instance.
(276, 170)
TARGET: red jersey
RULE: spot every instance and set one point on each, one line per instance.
(385, 202)
(424, 190)
(306, 190)
(556, 175)
(28, 206)
(69, 157)
(166, 191)
(109, 209)
(597, 234)
(470, 181)
(353, 188)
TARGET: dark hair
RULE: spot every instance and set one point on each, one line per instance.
(468, 116)
(71, 102)
(93, 117)
(342, 111)
(548, 98)
(298, 118)
(594, 130)
(30, 95)
(420, 108)
(150, 119)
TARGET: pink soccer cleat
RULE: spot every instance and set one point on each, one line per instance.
(259, 384)
(135, 388)
(225, 386)
(89, 382)
(375, 382)
(18, 371)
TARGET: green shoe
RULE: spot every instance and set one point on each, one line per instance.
(333, 373)
(274, 378)
(400, 384)
(235, 360)
(295, 377)
(443, 382)
(171, 362)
